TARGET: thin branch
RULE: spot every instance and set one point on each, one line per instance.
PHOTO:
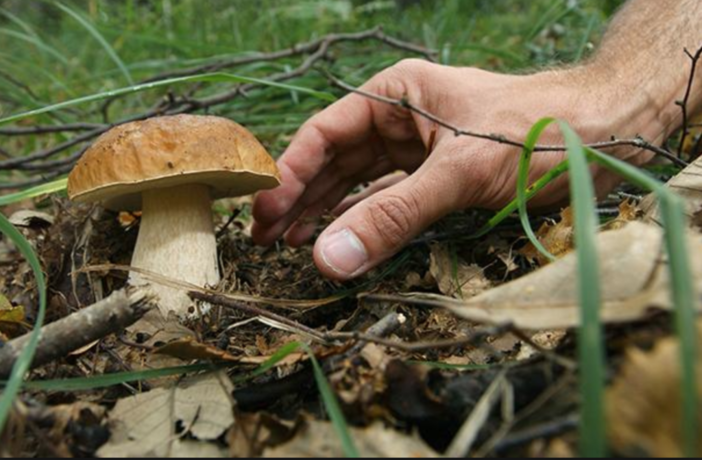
(61, 337)
(694, 59)
(499, 138)
(301, 48)
(45, 129)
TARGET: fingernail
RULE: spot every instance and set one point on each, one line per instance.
(343, 252)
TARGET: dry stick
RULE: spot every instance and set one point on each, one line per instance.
(688, 90)
(329, 337)
(175, 106)
(59, 338)
(498, 329)
(301, 48)
(638, 142)
(45, 129)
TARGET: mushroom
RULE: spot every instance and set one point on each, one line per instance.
(171, 168)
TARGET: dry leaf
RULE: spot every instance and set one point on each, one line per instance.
(319, 439)
(453, 276)
(634, 278)
(11, 317)
(557, 238)
(150, 423)
(32, 219)
(643, 404)
(187, 348)
(687, 184)
(628, 211)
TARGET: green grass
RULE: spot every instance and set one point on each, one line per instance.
(90, 50)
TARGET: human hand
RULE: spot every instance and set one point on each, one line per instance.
(357, 140)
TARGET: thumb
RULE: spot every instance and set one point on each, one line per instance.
(379, 226)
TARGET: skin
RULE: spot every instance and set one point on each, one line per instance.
(628, 88)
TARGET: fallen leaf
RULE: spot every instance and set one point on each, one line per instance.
(643, 405)
(319, 439)
(150, 423)
(453, 276)
(633, 273)
(556, 238)
(31, 219)
(687, 184)
(11, 317)
(628, 211)
(187, 348)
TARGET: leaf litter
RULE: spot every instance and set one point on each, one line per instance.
(397, 401)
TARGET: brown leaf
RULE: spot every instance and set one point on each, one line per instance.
(687, 184)
(454, 276)
(633, 273)
(319, 439)
(643, 404)
(188, 349)
(151, 423)
(556, 238)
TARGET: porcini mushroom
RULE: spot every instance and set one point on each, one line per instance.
(171, 168)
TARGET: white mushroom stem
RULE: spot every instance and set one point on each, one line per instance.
(176, 239)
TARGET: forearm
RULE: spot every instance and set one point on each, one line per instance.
(642, 62)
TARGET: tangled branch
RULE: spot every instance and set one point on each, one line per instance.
(42, 164)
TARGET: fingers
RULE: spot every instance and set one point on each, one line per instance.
(382, 224)
(305, 227)
(351, 124)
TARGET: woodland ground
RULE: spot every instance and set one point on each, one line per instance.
(235, 383)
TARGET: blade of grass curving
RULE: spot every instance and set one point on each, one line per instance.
(118, 378)
(591, 356)
(522, 185)
(36, 42)
(332, 407)
(57, 185)
(216, 77)
(99, 38)
(21, 366)
(682, 292)
(513, 205)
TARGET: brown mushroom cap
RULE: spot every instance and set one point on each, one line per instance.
(170, 151)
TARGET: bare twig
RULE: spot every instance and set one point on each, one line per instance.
(318, 50)
(45, 129)
(637, 142)
(301, 48)
(79, 329)
(694, 59)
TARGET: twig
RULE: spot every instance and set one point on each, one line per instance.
(58, 339)
(637, 142)
(694, 59)
(45, 129)
(317, 50)
(301, 48)
(546, 430)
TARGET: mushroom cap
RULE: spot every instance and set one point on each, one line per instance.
(169, 151)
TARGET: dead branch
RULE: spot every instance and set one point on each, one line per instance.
(59, 338)
(299, 49)
(694, 59)
(316, 51)
(637, 142)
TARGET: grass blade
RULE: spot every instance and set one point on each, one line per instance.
(24, 360)
(591, 375)
(99, 38)
(57, 185)
(36, 42)
(683, 291)
(118, 378)
(522, 179)
(332, 406)
(215, 77)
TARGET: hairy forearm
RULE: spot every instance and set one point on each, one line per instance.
(642, 61)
